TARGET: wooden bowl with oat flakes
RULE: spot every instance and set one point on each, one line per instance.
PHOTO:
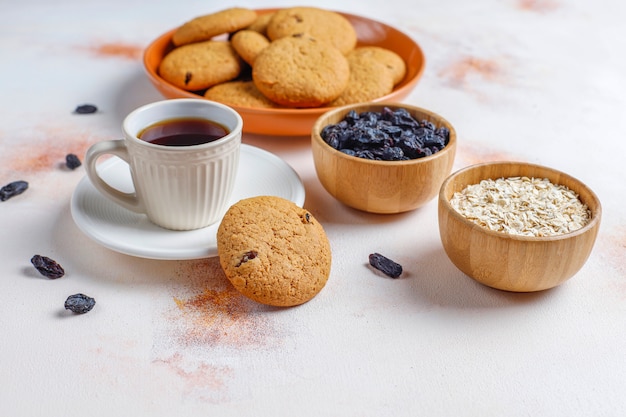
(517, 226)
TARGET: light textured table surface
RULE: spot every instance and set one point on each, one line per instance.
(541, 81)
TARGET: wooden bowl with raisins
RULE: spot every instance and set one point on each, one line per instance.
(517, 226)
(383, 157)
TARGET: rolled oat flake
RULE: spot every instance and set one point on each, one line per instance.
(522, 206)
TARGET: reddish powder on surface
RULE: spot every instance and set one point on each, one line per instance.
(37, 159)
(474, 153)
(198, 380)
(458, 72)
(119, 50)
(204, 374)
(216, 314)
(538, 5)
(45, 150)
(613, 247)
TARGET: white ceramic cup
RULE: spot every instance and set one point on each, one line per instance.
(177, 187)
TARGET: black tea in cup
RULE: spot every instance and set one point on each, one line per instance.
(183, 132)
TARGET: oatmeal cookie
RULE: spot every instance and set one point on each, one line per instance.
(203, 28)
(300, 71)
(261, 22)
(248, 44)
(394, 62)
(239, 94)
(369, 79)
(200, 65)
(273, 251)
(324, 25)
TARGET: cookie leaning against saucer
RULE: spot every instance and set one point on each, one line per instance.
(300, 71)
(203, 28)
(273, 251)
(201, 65)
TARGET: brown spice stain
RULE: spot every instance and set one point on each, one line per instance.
(204, 381)
(118, 50)
(216, 314)
(207, 375)
(460, 72)
(206, 318)
(540, 6)
(216, 317)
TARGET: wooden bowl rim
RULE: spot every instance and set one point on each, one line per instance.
(319, 125)
(596, 213)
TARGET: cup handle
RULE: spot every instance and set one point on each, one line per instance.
(118, 148)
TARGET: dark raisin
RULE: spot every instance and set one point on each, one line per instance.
(411, 146)
(388, 135)
(307, 218)
(392, 154)
(444, 132)
(86, 109)
(385, 265)
(188, 76)
(79, 303)
(365, 154)
(428, 125)
(435, 141)
(391, 130)
(47, 267)
(247, 257)
(12, 189)
(72, 161)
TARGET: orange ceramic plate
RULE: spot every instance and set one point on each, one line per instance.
(298, 122)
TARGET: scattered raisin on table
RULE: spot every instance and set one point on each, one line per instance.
(12, 189)
(72, 161)
(385, 265)
(47, 267)
(79, 303)
(86, 109)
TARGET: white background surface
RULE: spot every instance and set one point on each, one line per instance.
(533, 80)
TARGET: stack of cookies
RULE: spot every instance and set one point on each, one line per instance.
(297, 57)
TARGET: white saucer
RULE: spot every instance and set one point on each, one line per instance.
(260, 173)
